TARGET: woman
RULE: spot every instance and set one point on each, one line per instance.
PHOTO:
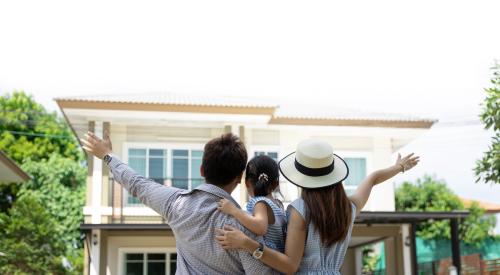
(320, 222)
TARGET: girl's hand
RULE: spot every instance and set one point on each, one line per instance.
(231, 238)
(227, 207)
(407, 162)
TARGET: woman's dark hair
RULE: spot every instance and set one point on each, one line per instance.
(263, 173)
(224, 160)
(329, 210)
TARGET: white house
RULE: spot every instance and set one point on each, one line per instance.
(162, 136)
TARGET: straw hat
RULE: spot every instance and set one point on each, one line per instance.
(313, 165)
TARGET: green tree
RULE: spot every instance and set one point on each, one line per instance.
(488, 168)
(31, 241)
(27, 130)
(44, 146)
(430, 194)
(58, 183)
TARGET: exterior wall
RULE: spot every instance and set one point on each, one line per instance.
(119, 242)
(377, 150)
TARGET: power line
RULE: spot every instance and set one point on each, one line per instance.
(38, 135)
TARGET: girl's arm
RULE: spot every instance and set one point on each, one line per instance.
(256, 223)
(232, 238)
(360, 197)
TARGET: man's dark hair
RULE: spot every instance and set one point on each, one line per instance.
(224, 159)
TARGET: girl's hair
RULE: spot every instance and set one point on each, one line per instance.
(330, 212)
(262, 172)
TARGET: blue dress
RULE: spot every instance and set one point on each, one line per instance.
(275, 236)
(319, 259)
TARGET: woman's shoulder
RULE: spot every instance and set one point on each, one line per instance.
(298, 205)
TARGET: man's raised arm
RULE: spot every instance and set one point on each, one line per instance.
(155, 195)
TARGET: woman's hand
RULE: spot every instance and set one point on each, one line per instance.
(227, 207)
(97, 146)
(407, 162)
(231, 238)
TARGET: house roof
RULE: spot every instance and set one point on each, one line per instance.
(10, 171)
(174, 99)
(488, 206)
(280, 113)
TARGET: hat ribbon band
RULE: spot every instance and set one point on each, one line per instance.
(314, 172)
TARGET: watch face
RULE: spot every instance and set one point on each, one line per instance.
(258, 254)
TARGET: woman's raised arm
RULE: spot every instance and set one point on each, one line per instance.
(360, 197)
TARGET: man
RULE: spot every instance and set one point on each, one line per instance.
(193, 215)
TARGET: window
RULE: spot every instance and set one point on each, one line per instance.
(357, 172)
(150, 263)
(186, 168)
(177, 167)
(273, 155)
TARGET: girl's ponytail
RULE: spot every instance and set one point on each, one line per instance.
(263, 173)
(262, 185)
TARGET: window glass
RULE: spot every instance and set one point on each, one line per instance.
(357, 171)
(134, 264)
(150, 263)
(156, 264)
(136, 161)
(180, 169)
(173, 263)
(157, 165)
(271, 154)
(196, 157)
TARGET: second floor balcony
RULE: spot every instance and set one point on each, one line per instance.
(122, 207)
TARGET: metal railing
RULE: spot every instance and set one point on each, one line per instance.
(118, 195)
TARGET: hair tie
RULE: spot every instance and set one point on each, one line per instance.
(264, 177)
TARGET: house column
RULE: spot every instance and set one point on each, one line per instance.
(95, 249)
(455, 245)
(382, 196)
(358, 260)
(96, 206)
(413, 246)
(106, 192)
(404, 244)
(390, 256)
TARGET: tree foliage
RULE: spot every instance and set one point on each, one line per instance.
(488, 168)
(430, 194)
(27, 130)
(44, 146)
(58, 182)
(31, 240)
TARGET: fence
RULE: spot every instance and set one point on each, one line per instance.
(471, 264)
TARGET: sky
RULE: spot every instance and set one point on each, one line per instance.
(423, 58)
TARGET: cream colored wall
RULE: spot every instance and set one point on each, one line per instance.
(379, 147)
(379, 150)
(116, 242)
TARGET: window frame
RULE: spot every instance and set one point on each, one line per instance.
(356, 154)
(122, 251)
(168, 147)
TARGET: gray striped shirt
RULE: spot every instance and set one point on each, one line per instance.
(193, 217)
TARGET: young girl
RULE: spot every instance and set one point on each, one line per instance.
(266, 216)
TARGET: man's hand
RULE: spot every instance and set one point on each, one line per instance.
(227, 207)
(97, 146)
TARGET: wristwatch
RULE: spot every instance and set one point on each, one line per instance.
(257, 254)
(107, 159)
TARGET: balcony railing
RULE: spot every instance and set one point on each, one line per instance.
(126, 209)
